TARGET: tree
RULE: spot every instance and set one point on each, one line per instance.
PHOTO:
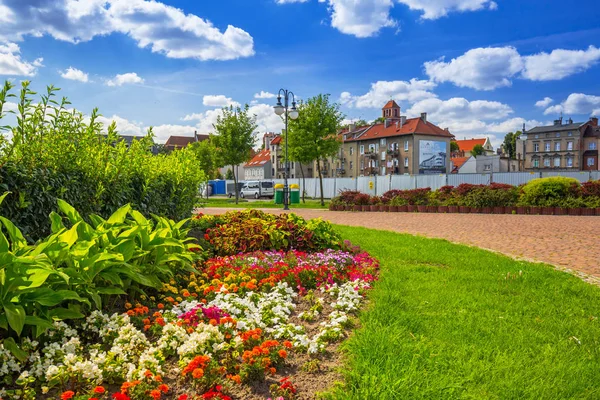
(234, 138)
(360, 122)
(454, 146)
(378, 120)
(313, 136)
(208, 161)
(510, 143)
(477, 150)
(229, 175)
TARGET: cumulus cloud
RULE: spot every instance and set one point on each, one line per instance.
(459, 109)
(264, 95)
(219, 101)
(545, 102)
(125, 79)
(74, 74)
(11, 62)
(365, 18)
(163, 132)
(161, 28)
(493, 67)
(124, 126)
(382, 91)
(577, 103)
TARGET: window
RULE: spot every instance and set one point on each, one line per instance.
(487, 167)
(557, 146)
(557, 134)
(536, 163)
(569, 145)
(569, 133)
(362, 164)
(345, 137)
(557, 161)
(406, 162)
(362, 149)
(371, 148)
(537, 136)
(382, 155)
(382, 142)
(547, 146)
(569, 162)
(395, 162)
(395, 146)
(546, 162)
(536, 147)
(351, 150)
(406, 145)
(592, 146)
(350, 164)
(590, 161)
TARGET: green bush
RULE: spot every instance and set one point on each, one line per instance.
(549, 192)
(55, 154)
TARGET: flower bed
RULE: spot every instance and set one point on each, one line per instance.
(249, 325)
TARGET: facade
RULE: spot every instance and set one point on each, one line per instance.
(276, 144)
(259, 167)
(179, 142)
(484, 164)
(399, 145)
(568, 146)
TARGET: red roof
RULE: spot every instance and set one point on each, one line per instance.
(260, 159)
(391, 104)
(412, 125)
(458, 162)
(277, 140)
(468, 144)
(183, 141)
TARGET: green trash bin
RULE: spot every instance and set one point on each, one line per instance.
(295, 196)
(278, 196)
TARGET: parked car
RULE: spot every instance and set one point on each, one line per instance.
(257, 189)
(231, 191)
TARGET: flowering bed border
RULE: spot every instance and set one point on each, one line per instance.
(472, 210)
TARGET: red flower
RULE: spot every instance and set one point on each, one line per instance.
(155, 394)
(67, 395)
(183, 397)
(120, 396)
(99, 390)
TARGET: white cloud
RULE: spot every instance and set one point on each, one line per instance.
(481, 68)
(163, 132)
(124, 79)
(459, 109)
(219, 101)
(545, 102)
(264, 95)
(495, 131)
(11, 62)
(577, 103)
(74, 74)
(365, 18)
(152, 24)
(124, 126)
(493, 67)
(382, 91)
(559, 63)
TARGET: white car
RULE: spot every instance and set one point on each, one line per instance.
(257, 189)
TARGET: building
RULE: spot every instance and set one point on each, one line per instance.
(259, 167)
(399, 145)
(465, 146)
(562, 146)
(276, 144)
(179, 142)
(484, 164)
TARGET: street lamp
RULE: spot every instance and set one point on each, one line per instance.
(281, 109)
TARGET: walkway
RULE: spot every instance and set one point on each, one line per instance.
(570, 243)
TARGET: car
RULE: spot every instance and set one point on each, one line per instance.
(231, 191)
(257, 189)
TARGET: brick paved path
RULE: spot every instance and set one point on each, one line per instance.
(571, 243)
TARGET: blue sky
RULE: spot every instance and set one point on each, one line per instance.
(479, 67)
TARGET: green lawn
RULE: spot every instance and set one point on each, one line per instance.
(452, 322)
(268, 203)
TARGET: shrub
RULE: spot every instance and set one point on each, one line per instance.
(416, 197)
(390, 195)
(590, 189)
(549, 192)
(488, 196)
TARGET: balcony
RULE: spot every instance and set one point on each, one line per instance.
(340, 171)
(324, 171)
(393, 153)
(369, 171)
(370, 154)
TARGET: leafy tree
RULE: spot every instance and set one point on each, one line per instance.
(234, 138)
(477, 150)
(229, 175)
(378, 120)
(208, 161)
(313, 136)
(360, 122)
(454, 146)
(510, 143)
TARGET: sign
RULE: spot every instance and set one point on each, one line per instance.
(432, 157)
(371, 185)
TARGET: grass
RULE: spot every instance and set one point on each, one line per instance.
(226, 202)
(453, 322)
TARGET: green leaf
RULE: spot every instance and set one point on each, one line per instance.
(70, 236)
(138, 217)
(126, 248)
(4, 245)
(37, 321)
(65, 313)
(119, 216)
(3, 196)
(14, 233)
(69, 211)
(110, 290)
(57, 223)
(16, 316)
(13, 347)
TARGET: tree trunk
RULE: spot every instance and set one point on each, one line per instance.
(320, 181)
(235, 188)
(303, 183)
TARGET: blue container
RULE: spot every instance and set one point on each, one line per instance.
(219, 186)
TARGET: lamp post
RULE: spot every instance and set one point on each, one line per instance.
(281, 109)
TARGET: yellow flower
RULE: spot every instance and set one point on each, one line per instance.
(45, 389)
(178, 299)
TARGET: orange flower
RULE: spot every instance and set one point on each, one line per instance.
(158, 378)
(67, 395)
(198, 373)
(146, 327)
(131, 313)
(236, 378)
(128, 305)
(160, 306)
(99, 390)
(282, 353)
(213, 322)
(287, 344)
(163, 388)
(146, 321)
(148, 374)
(155, 394)
(160, 321)
(272, 371)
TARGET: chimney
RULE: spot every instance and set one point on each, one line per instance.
(402, 120)
(447, 130)
(570, 121)
(195, 136)
(351, 127)
(386, 123)
(424, 117)
(557, 122)
(594, 121)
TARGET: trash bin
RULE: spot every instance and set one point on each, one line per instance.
(295, 196)
(278, 196)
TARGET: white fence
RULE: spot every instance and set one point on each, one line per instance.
(378, 185)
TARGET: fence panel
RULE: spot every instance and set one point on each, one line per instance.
(362, 185)
(403, 182)
(473, 179)
(342, 184)
(431, 181)
(595, 175)
(382, 184)
(328, 188)
(582, 176)
(514, 178)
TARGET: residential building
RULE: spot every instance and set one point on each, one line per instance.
(484, 164)
(465, 146)
(277, 147)
(399, 145)
(179, 142)
(562, 146)
(259, 167)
